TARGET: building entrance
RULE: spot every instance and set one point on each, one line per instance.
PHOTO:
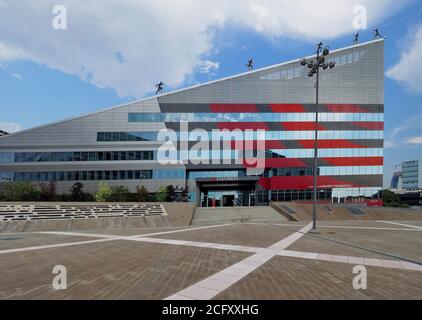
(225, 192)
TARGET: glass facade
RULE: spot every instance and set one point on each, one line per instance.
(93, 175)
(246, 135)
(9, 157)
(126, 136)
(410, 175)
(253, 117)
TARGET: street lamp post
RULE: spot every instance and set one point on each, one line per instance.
(314, 67)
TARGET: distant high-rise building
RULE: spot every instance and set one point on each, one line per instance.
(410, 174)
(395, 180)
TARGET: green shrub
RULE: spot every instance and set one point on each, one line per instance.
(20, 191)
(104, 192)
(161, 194)
(142, 194)
(119, 194)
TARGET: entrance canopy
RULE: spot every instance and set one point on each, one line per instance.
(240, 184)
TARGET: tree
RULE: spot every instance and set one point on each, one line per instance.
(20, 191)
(142, 194)
(161, 194)
(170, 193)
(390, 198)
(76, 192)
(119, 194)
(48, 191)
(104, 192)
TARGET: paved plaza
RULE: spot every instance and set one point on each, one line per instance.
(228, 261)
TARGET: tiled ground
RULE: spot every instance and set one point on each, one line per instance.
(143, 268)
(134, 231)
(22, 240)
(238, 234)
(405, 244)
(110, 270)
(293, 278)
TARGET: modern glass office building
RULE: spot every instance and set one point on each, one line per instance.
(410, 174)
(269, 115)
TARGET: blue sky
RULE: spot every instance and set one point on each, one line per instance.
(100, 61)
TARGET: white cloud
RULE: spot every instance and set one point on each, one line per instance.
(129, 45)
(396, 138)
(409, 69)
(209, 66)
(10, 127)
(17, 76)
(414, 140)
(388, 143)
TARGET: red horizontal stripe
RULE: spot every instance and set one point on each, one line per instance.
(291, 107)
(218, 107)
(349, 108)
(252, 144)
(329, 144)
(276, 163)
(303, 182)
(355, 161)
(301, 126)
(242, 125)
(369, 125)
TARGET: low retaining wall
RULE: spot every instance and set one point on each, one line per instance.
(85, 224)
(48, 216)
(42, 211)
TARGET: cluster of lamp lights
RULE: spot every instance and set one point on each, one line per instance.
(320, 61)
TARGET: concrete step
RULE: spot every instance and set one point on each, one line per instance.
(204, 216)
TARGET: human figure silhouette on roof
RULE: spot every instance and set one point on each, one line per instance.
(377, 34)
(250, 64)
(356, 38)
(159, 87)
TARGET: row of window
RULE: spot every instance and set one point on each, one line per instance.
(93, 175)
(184, 155)
(221, 135)
(252, 117)
(328, 171)
(327, 193)
(327, 153)
(8, 157)
(127, 136)
(244, 135)
(194, 155)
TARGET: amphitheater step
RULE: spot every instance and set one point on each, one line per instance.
(204, 216)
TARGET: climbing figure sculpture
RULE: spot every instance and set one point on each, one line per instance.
(377, 34)
(159, 87)
(250, 64)
(356, 38)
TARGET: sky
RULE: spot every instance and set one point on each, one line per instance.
(67, 58)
